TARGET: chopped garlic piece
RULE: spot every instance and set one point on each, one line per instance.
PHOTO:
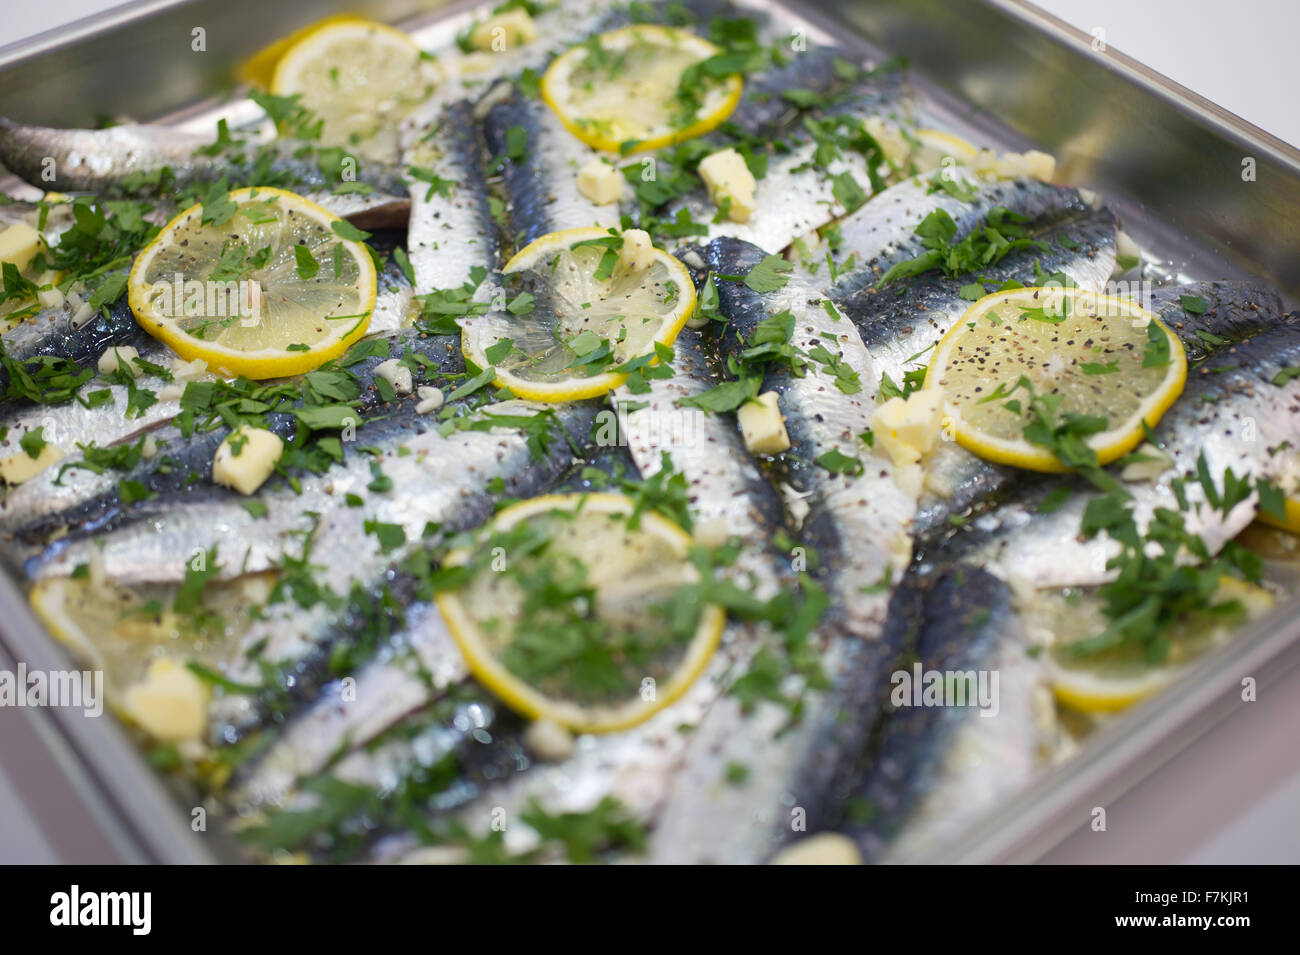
(183, 370)
(430, 399)
(505, 31)
(824, 848)
(638, 252)
(762, 426)
(170, 703)
(259, 450)
(21, 467)
(549, 741)
(600, 182)
(1147, 470)
(906, 429)
(114, 358)
(729, 182)
(50, 298)
(397, 375)
(712, 533)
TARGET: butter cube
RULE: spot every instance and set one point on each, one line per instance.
(906, 429)
(728, 178)
(762, 426)
(505, 31)
(120, 356)
(824, 848)
(19, 244)
(638, 252)
(1034, 164)
(170, 703)
(1040, 165)
(20, 467)
(397, 375)
(600, 182)
(247, 470)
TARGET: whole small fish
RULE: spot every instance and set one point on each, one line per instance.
(118, 161)
(962, 717)
(1238, 411)
(451, 232)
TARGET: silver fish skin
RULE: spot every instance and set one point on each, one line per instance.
(542, 184)
(940, 765)
(821, 418)
(726, 489)
(105, 161)
(443, 481)
(472, 73)
(860, 528)
(451, 232)
(900, 324)
(796, 196)
(958, 483)
(415, 668)
(882, 233)
(65, 497)
(1232, 311)
(641, 766)
(54, 332)
(430, 476)
(1230, 412)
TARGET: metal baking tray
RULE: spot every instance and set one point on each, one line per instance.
(1001, 71)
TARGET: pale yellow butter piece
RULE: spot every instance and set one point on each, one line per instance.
(762, 426)
(255, 462)
(19, 244)
(906, 429)
(505, 31)
(638, 252)
(600, 182)
(20, 467)
(728, 178)
(170, 703)
(824, 848)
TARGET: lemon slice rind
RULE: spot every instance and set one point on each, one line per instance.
(253, 363)
(1110, 444)
(532, 703)
(558, 93)
(475, 345)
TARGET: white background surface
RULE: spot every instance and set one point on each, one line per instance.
(1232, 796)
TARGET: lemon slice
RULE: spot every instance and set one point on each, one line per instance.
(623, 90)
(1117, 679)
(1292, 521)
(1081, 354)
(930, 147)
(569, 610)
(120, 630)
(566, 325)
(361, 78)
(298, 297)
(259, 69)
